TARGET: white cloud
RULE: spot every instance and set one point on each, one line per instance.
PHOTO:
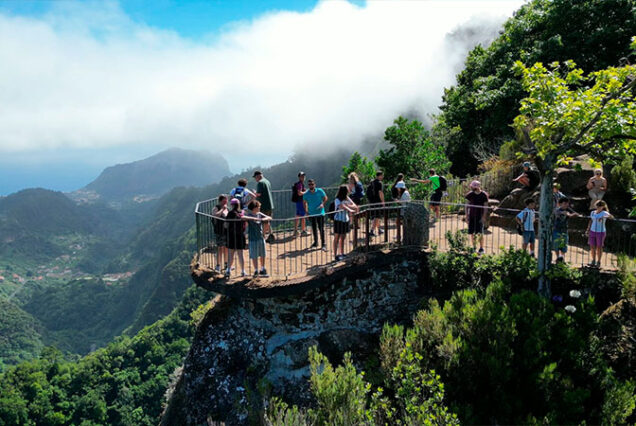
(86, 76)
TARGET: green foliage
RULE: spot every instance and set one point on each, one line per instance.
(626, 274)
(19, 335)
(509, 356)
(123, 383)
(412, 151)
(361, 166)
(623, 175)
(487, 95)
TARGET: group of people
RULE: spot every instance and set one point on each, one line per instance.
(562, 212)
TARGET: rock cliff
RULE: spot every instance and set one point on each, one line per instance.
(245, 345)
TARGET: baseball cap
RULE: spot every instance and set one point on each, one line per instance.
(301, 173)
(526, 164)
(257, 173)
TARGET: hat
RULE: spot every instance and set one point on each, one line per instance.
(400, 184)
(257, 173)
(526, 164)
(301, 173)
(235, 201)
(475, 184)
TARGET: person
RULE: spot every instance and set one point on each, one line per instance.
(255, 236)
(529, 178)
(220, 232)
(597, 186)
(264, 196)
(525, 218)
(557, 194)
(297, 197)
(315, 200)
(241, 193)
(476, 213)
(375, 194)
(235, 236)
(395, 189)
(562, 214)
(436, 197)
(343, 205)
(356, 189)
(596, 231)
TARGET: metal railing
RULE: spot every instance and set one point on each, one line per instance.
(398, 225)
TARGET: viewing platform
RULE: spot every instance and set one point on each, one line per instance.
(408, 230)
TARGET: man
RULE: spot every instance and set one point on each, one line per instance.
(376, 199)
(297, 197)
(476, 214)
(264, 196)
(437, 194)
(528, 178)
(315, 200)
(242, 193)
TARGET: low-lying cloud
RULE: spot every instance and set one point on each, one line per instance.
(87, 76)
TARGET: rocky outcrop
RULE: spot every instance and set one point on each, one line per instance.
(245, 345)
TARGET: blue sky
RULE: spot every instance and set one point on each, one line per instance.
(96, 83)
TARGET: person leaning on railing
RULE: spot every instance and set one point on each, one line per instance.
(264, 196)
(343, 205)
(220, 231)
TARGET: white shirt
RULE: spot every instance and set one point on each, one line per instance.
(598, 221)
(528, 223)
(341, 215)
(405, 196)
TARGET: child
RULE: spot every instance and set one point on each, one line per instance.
(596, 232)
(557, 194)
(560, 231)
(235, 236)
(343, 205)
(525, 218)
(255, 236)
(241, 193)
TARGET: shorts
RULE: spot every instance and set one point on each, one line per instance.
(560, 241)
(377, 213)
(356, 200)
(257, 248)
(267, 212)
(596, 239)
(529, 237)
(340, 227)
(475, 225)
(236, 242)
(221, 239)
(436, 197)
(300, 208)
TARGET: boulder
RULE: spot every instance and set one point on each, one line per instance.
(515, 201)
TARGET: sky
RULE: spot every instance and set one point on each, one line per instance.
(88, 84)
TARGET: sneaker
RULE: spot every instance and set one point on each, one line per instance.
(243, 273)
(314, 245)
(271, 238)
(255, 274)
(323, 248)
(592, 264)
(560, 259)
(372, 234)
(380, 232)
(304, 233)
(218, 268)
(227, 273)
(481, 251)
(531, 254)
(263, 273)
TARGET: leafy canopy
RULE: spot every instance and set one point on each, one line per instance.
(412, 150)
(359, 164)
(569, 113)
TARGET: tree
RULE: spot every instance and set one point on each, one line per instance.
(567, 113)
(486, 98)
(361, 165)
(412, 150)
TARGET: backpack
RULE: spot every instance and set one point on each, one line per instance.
(521, 225)
(371, 193)
(443, 184)
(294, 197)
(240, 194)
(395, 193)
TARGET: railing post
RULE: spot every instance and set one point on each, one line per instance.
(368, 238)
(398, 225)
(386, 224)
(355, 230)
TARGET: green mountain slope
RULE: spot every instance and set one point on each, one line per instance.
(19, 334)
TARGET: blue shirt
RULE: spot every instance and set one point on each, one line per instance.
(314, 199)
(527, 217)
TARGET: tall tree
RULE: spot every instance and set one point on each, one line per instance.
(412, 150)
(486, 98)
(567, 113)
(361, 165)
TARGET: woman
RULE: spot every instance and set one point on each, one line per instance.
(235, 236)
(220, 230)
(596, 232)
(397, 187)
(356, 190)
(343, 205)
(597, 186)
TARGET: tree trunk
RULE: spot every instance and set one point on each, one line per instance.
(546, 207)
